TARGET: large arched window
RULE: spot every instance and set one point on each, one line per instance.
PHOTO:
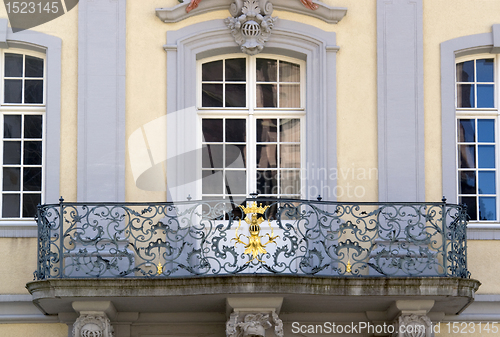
(256, 100)
(251, 112)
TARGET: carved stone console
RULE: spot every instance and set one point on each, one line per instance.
(92, 324)
(93, 320)
(252, 317)
(412, 320)
(413, 325)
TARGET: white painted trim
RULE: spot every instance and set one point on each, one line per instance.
(400, 91)
(18, 229)
(324, 12)
(101, 101)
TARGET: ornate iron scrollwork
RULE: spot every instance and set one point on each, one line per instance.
(198, 238)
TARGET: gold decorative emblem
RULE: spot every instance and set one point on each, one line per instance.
(348, 267)
(254, 245)
(159, 269)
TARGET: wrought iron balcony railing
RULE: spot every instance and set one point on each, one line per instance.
(261, 236)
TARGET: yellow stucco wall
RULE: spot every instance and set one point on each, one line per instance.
(34, 330)
(482, 262)
(66, 28)
(357, 118)
(18, 264)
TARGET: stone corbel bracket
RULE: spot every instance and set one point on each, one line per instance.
(323, 12)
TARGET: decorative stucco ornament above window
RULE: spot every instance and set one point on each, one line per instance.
(251, 24)
(312, 8)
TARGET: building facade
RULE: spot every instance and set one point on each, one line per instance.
(249, 168)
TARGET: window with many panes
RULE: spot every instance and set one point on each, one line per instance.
(23, 113)
(477, 129)
(251, 114)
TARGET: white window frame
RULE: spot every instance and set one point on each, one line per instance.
(251, 113)
(481, 113)
(23, 109)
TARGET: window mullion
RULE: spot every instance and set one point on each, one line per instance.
(251, 128)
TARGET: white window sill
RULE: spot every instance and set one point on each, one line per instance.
(18, 229)
(483, 231)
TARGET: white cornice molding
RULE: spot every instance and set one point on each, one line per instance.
(323, 12)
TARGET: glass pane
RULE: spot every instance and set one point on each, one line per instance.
(266, 96)
(470, 202)
(290, 130)
(465, 96)
(290, 182)
(236, 182)
(236, 69)
(33, 91)
(33, 153)
(236, 130)
(213, 156)
(290, 156)
(212, 182)
(235, 156)
(211, 95)
(13, 65)
(32, 179)
(465, 71)
(12, 126)
(267, 70)
(267, 156)
(11, 179)
(487, 208)
(466, 156)
(12, 153)
(266, 130)
(267, 182)
(13, 91)
(212, 130)
(289, 72)
(10, 206)
(486, 156)
(211, 71)
(486, 182)
(485, 96)
(289, 96)
(467, 182)
(34, 67)
(33, 126)
(236, 96)
(466, 130)
(484, 70)
(486, 130)
(30, 202)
